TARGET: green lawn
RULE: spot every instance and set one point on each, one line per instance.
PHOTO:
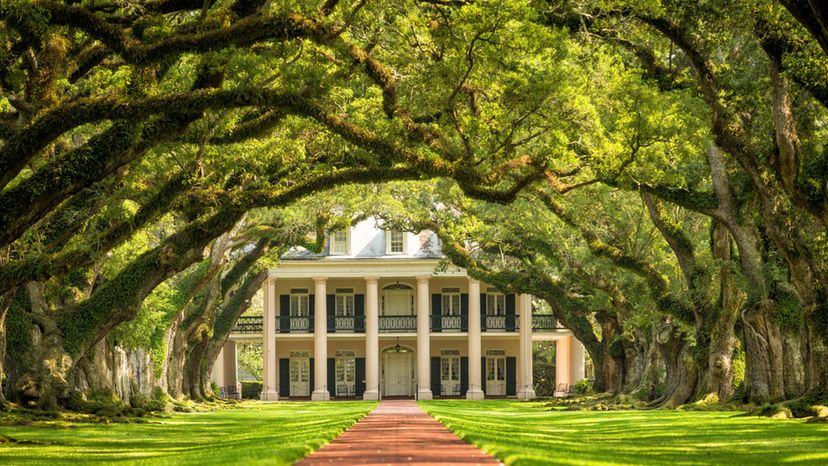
(260, 433)
(527, 433)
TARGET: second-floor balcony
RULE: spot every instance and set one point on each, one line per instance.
(398, 324)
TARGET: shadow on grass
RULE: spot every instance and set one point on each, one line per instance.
(527, 433)
(252, 433)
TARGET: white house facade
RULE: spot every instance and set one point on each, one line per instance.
(375, 315)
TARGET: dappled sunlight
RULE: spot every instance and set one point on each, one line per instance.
(528, 433)
(276, 433)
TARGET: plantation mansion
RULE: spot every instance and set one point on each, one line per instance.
(375, 316)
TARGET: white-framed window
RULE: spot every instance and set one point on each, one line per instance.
(395, 242)
(346, 368)
(299, 302)
(495, 365)
(495, 303)
(339, 242)
(344, 306)
(451, 302)
(449, 371)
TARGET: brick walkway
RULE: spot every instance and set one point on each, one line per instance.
(398, 432)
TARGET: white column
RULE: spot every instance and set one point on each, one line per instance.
(475, 380)
(231, 373)
(423, 343)
(526, 391)
(563, 360)
(371, 339)
(270, 390)
(578, 363)
(320, 340)
(217, 376)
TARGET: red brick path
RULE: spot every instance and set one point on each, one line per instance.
(398, 432)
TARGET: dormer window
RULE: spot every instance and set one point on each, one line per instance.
(395, 242)
(339, 243)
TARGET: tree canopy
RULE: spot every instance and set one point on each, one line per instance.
(653, 171)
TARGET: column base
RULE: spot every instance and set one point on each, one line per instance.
(475, 394)
(526, 394)
(424, 394)
(371, 395)
(269, 395)
(320, 395)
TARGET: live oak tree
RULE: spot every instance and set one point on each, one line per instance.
(666, 159)
(206, 111)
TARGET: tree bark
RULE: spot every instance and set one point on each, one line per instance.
(816, 351)
(721, 326)
(682, 370)
(763, 356)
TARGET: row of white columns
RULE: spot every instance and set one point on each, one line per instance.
(320, 339)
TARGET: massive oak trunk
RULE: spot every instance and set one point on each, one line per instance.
(718, 377)
(682, 370)
(816, 350)
(643, 375)
(763, 356)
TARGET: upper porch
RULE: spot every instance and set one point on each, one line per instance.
(399, 289)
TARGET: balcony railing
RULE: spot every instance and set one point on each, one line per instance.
(393, 324)
(295, 325)
(248, 324)
(454, 323)
(501, 323)
(346, 324)
(399, 324)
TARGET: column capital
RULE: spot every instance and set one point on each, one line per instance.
(372, 280)
(320, 279)
(474, 281)
(423, 278)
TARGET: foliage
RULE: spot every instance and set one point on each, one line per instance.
(251, 390)
(583, 387)
(250, 359)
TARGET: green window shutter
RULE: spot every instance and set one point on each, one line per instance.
(510, 313)
(436, 312)
(284, 377)
(511, 376)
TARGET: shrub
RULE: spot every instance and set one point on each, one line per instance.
(583, 387)
(251, 390)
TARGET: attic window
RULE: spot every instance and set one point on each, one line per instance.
(339, 243)
(396, 242)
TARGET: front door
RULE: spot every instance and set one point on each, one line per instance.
(397, 303)
(496, 375)
(299, 376)
(397, 374)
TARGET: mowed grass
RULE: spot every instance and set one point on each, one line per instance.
(252, 433)
(524, 433)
